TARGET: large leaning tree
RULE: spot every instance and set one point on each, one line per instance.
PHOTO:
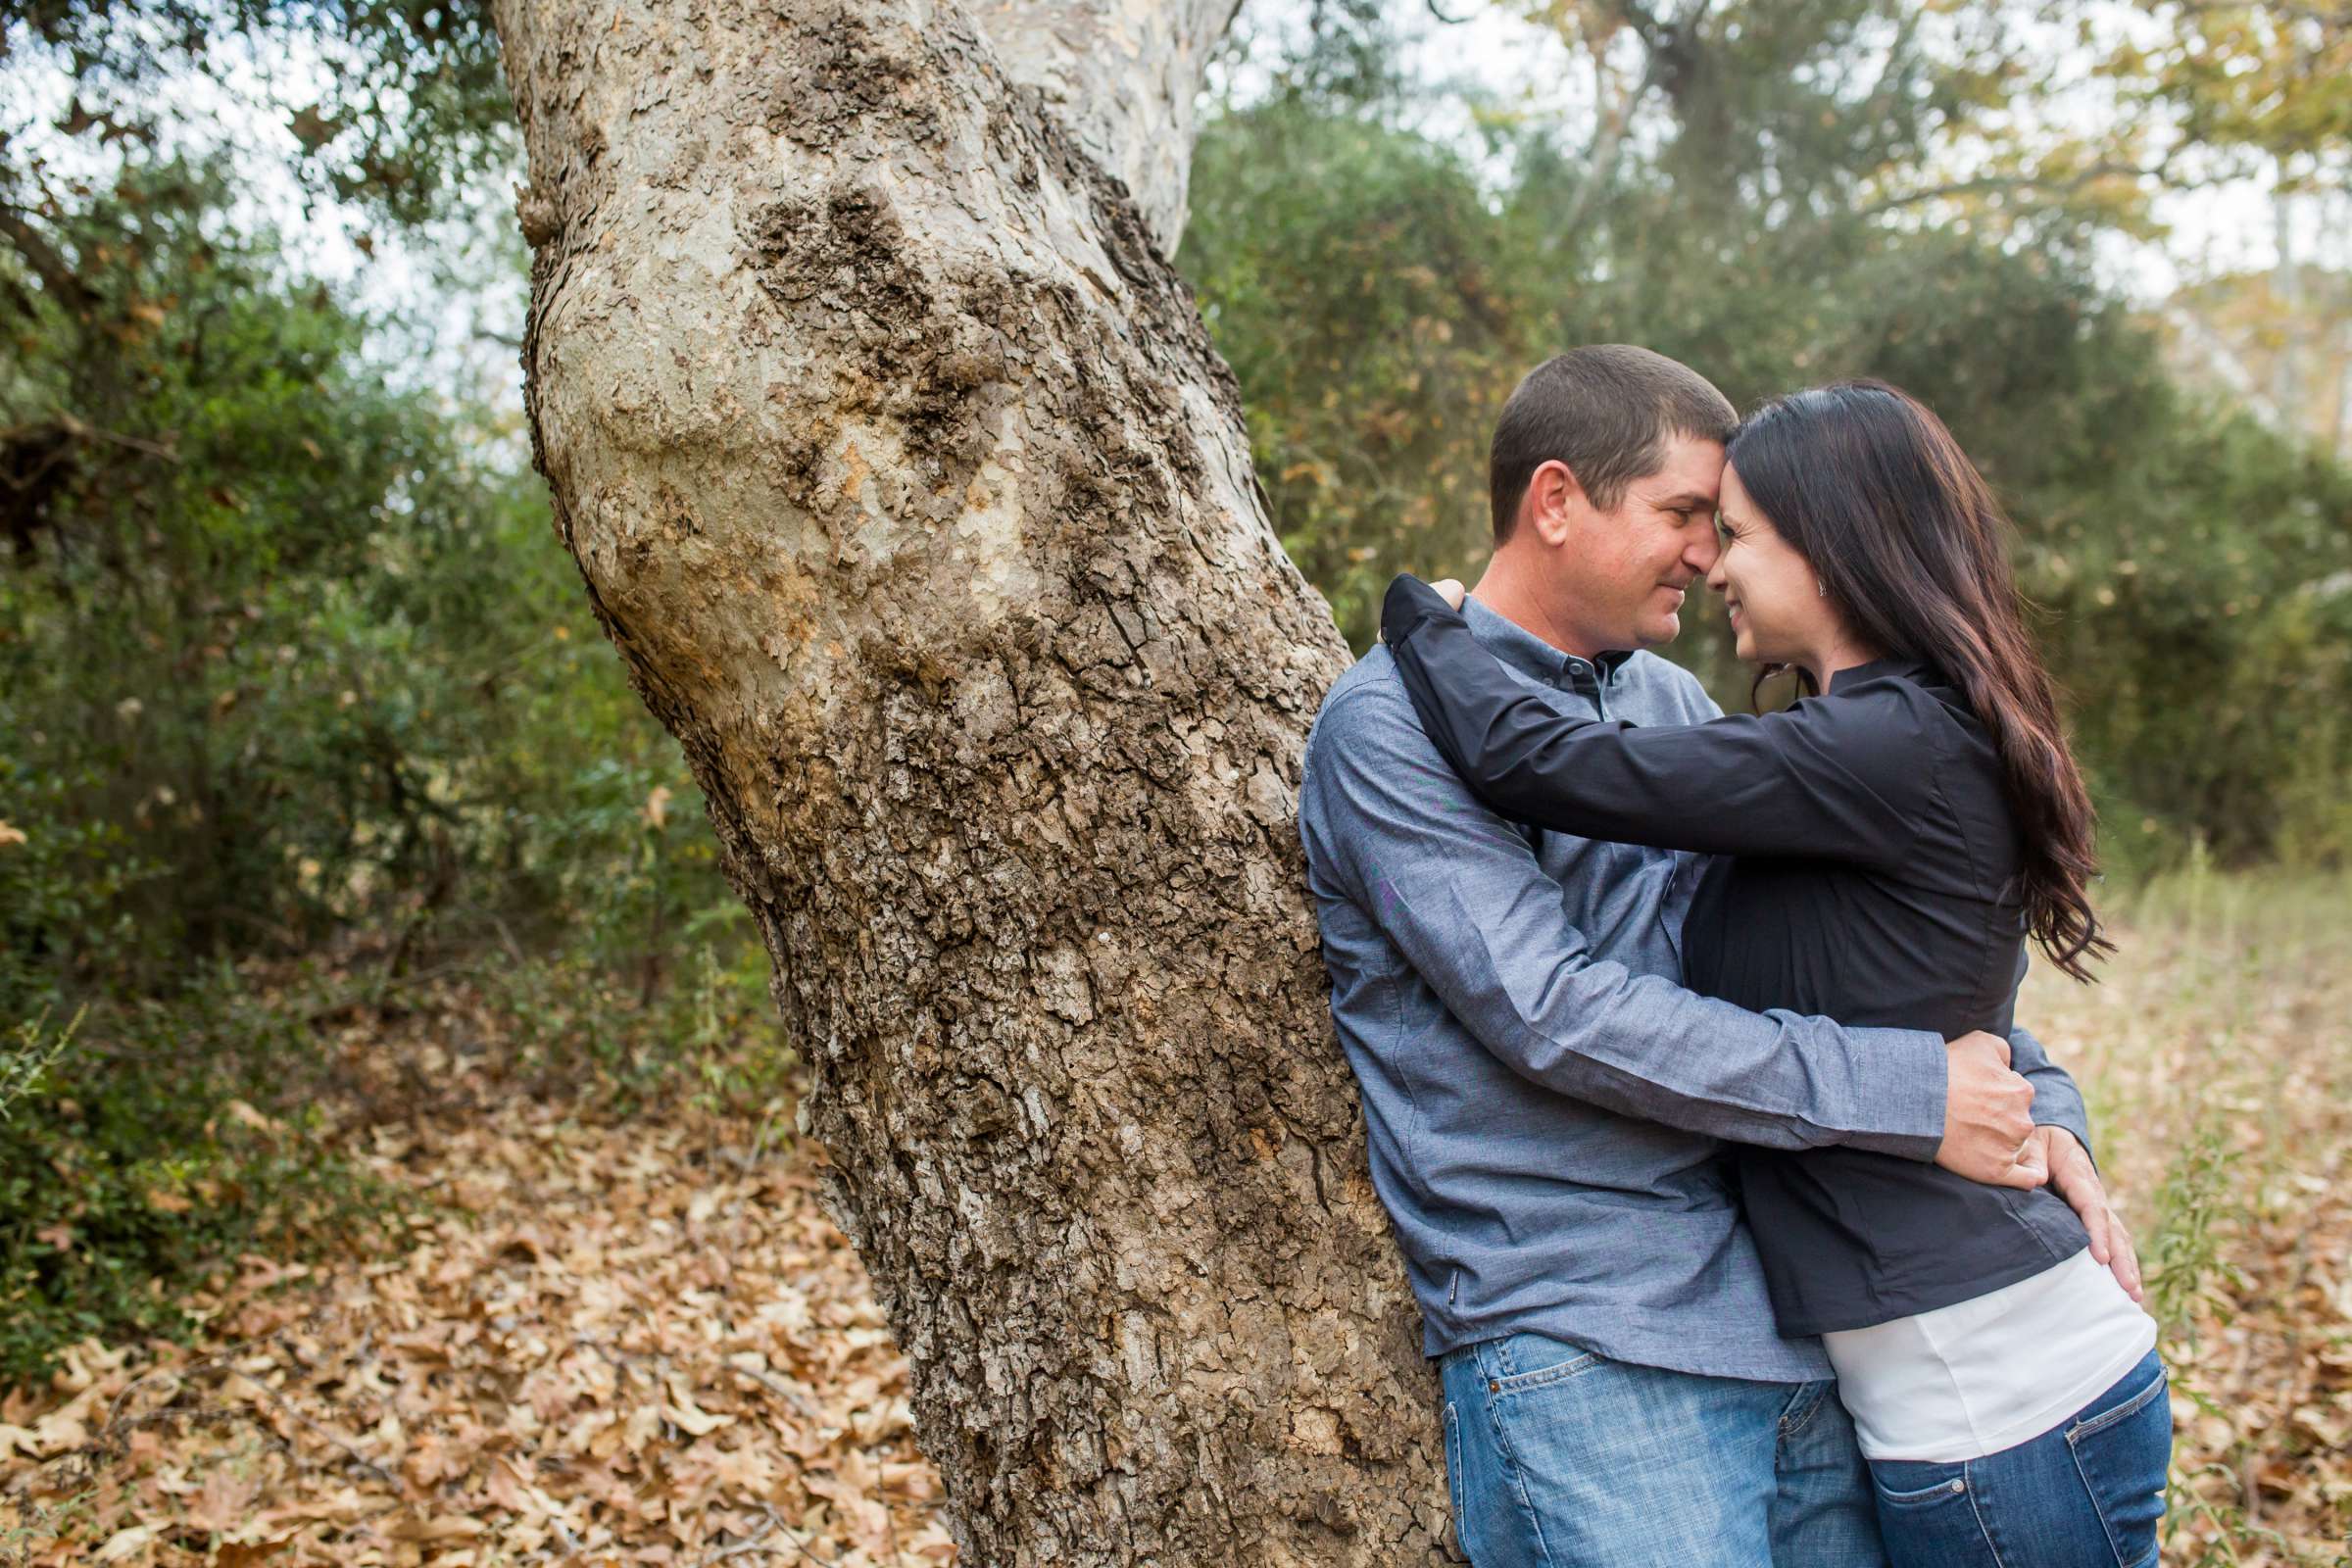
(902, 472)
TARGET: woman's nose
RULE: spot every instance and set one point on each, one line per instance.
(1715, 577)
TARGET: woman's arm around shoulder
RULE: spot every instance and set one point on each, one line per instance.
(1845, 777)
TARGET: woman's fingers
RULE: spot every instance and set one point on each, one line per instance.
(1450, 590)
(2127, 1260)
(2094, 1223)
(2072, 1174)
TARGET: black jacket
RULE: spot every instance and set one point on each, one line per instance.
(1866, 861)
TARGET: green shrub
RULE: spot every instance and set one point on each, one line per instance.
(292, 665)
(164, 1141)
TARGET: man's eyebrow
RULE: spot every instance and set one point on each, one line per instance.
(1687, 501)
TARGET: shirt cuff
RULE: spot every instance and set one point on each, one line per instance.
(1901, 1093)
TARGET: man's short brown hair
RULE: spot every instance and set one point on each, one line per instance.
(1607, 411)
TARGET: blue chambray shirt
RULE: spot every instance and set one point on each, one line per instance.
(1542, 1099)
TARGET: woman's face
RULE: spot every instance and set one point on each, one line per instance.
(1778, 613)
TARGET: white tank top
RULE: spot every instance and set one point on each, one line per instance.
(1982, 1375)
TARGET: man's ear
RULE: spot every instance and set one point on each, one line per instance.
(1553, 498)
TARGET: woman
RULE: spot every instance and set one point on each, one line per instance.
(1884, 847)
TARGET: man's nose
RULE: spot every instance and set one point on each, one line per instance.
(1701, 555)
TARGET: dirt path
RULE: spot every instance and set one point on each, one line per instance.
(639, 1344)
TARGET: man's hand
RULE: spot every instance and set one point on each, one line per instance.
(1989, 1116)
(2074, 1178)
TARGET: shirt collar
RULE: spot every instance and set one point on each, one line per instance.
(1899, 665)
(1530, 654)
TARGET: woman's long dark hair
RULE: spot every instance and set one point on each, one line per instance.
(1869, 487)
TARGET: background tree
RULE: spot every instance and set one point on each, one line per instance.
(2268, 88)
(1849, 193)
(293, 718)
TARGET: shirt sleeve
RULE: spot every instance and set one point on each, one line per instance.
(1390, 828)
(2057, 1102)
(1840, 779)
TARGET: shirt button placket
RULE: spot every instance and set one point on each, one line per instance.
(1574, 678)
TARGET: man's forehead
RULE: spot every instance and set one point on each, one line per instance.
(1692, 470)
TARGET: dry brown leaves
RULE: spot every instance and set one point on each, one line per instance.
(638, 1343)
(645, 1344)
(2229, 1009)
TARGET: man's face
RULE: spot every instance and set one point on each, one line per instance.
(1626, 570)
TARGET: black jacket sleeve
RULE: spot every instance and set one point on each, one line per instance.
(1844, 778)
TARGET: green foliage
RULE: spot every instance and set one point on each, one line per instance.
(141, 1161)
(2269, 77)
(2188, 1273)
(291, 663)
(408, 107)
(218, 469)
(2202, 622)
(1378, 298)
(575, 1025)
(1348, 272)
(284, 650)
(25, 1063)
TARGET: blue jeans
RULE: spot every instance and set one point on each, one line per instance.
(1560, 1458)
(2087, 1493)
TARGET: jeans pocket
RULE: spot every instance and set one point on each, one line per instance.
(1523, 1362)
(1916, 1482)
(2124, 1449)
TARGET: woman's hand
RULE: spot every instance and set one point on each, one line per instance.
(2074, 1178)
(1448, 589)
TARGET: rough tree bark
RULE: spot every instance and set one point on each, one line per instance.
(900, 469)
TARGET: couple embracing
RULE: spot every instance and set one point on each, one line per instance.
(1746, 1226)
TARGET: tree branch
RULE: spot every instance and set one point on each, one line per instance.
(50, 266)
(1985, 185)
(1123, 80)
(1608, 137)
(83, 430)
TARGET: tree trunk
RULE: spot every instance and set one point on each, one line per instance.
(902, 472)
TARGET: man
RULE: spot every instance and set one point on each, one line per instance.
(1543, 1101)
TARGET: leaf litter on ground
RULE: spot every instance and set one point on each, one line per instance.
(643, 1342)
(640, 1343)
